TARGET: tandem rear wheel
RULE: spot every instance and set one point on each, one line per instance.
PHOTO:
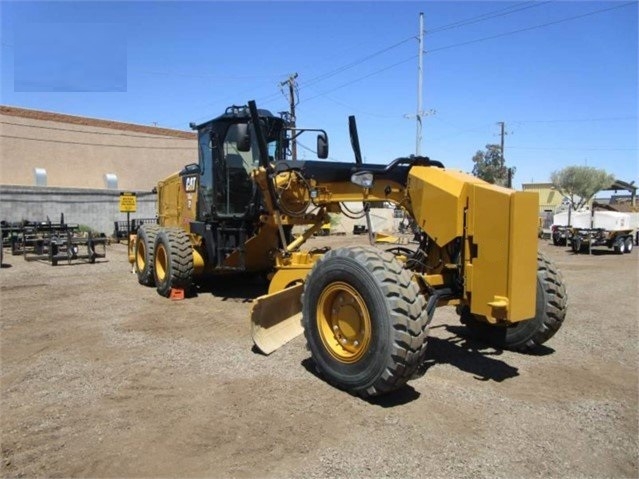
(173, 261)
(529, 335)
(144, 254)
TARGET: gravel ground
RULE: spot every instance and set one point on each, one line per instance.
(101, 377)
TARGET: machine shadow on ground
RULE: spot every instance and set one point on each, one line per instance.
(399, 397)
(237, 286)
(462, 351)
(466, 354)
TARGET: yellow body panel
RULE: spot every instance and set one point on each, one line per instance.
(522, 284)
(438, 200)
(500, 227)
(292, 269)
(176, 207)
(501, 252)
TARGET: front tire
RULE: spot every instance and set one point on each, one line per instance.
(629, 245)
(365, 320)
(173, 262)
(526, 336)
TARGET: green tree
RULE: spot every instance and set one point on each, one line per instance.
(490, 166)
(579, 184)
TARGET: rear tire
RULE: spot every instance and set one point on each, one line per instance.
(173, 261)
(365, 320)
(526, 336)
(629, 245)
(576, 245)
(144, 254)
(557, 240)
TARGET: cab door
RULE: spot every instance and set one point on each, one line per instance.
(232, 171)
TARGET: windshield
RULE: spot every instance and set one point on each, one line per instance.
(272, 147)
(226, 185)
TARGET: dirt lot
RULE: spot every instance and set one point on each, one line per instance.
(101, 377)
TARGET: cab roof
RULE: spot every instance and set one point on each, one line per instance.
(232, 114)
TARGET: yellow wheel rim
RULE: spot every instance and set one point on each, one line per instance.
(160, 263)
(141, 256)
(343, 322)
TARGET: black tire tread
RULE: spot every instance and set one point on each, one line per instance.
(147, 233)
(180, 257)
(555, 302)
(409, 319)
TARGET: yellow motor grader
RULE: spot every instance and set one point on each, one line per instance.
(364, 312)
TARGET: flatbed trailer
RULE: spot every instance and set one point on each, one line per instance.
(583, 239)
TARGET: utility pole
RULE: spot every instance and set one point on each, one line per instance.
(501, 149)
(503, 133)
(292, 88)
(420, 74)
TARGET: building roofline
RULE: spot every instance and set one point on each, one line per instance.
(96, 122)
(621, 185)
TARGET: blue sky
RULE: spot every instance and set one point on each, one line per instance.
(561, 75)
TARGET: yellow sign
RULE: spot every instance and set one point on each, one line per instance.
(128, 203)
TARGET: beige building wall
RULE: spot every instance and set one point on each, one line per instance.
(549, 198)
(78, 152)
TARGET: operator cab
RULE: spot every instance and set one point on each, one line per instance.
(228, 153)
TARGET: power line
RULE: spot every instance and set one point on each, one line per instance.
(304, 147)
(354, 109)
(618, 118)
(482, 17)
(575, 17)
(461, 131)
(578, 148)
(332, 73)
(488, 16)
(555, 22)
(376, 72)
(485, 16)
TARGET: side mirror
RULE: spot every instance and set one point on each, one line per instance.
(322, 146)
(191, 169)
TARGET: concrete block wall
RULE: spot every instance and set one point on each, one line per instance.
(95, 208)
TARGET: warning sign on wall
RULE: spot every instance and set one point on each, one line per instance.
(128, 202)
